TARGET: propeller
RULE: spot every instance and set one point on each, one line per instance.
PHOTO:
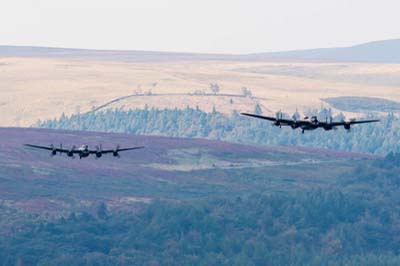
(71, 152)
(346, 124)
(99, 151)
(329, 119)
(53, 150)
(328, 123)
(296, 115)
(115, 152)
(279, 117)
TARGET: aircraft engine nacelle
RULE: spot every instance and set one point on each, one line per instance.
(115, 151)
(294, 126)
(346, 126)
(53, 150)
(70, 153)
(99, 154)
(328, 127)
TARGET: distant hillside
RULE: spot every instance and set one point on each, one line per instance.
(386, 51)
(167, 168)
(79, 80)
(115, 55)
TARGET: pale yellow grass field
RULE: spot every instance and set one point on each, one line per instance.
(44, 88)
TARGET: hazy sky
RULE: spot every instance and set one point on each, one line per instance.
(223, 26)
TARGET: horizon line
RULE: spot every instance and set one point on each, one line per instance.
(185, 53)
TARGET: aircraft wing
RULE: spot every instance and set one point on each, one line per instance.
(118, 150)
(46, 148)
(354, 122)
(269, 118)
(133, 148)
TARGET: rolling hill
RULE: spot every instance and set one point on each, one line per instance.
(386, 51)
(42, 83)
(168, 168)
(114, 55)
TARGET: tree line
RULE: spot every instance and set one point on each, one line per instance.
(377, 138)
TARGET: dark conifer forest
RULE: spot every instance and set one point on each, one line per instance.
(353, 221)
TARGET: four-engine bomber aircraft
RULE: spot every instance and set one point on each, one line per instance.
(310, 123)
(305, 124)
(83, 151)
